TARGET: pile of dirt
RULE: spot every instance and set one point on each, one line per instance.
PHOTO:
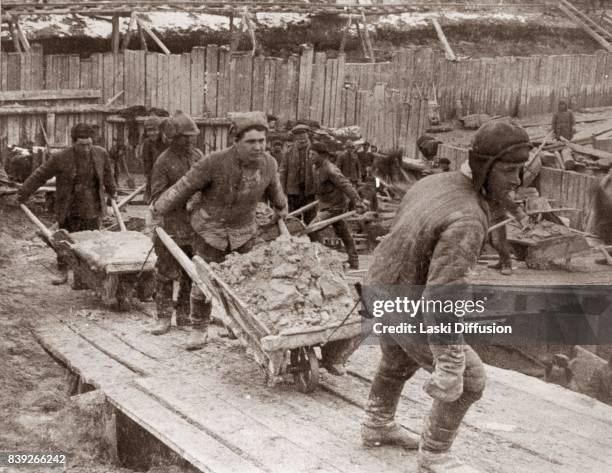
(290, 283)
(101, 248)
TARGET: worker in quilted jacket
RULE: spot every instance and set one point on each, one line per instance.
(437, 238)
(228, 185)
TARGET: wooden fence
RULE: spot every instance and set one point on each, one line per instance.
(497, 86)
(209, 81)
(566, 188)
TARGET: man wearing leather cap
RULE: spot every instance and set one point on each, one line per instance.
(154, 144)
(296, 172)
(83, 174)
(437, 237)
(230, 183)
(170, 166)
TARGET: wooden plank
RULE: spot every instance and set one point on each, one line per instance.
(193, 444)
(3, 71)
(304, 82)
(60, 94)
(97, 75)
(292, 90)
(174, 81)
(129, 83)
(163, 75)
(339, 85)
(210, 79)
(231, 426)
(259, 81)
(85, 78)
(318, 91)
(280, 92)
(198, 69)
(185, 86)
(109, 73)
(118, 78)
(80, 357)
(140, 77)
(14, 71)
(74, 71)
(223, 91)
(151, 80)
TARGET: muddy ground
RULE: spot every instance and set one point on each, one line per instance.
(36, 412)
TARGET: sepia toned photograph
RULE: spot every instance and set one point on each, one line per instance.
(327, 236)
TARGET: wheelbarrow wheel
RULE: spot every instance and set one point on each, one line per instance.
(305, 369)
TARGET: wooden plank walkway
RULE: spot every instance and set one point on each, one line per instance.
(214, 408)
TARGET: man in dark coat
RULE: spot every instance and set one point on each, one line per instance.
(437, 237)
(334, 192)
(230, 183)
(349, 165)
(172, 164)
(563, 122)
(154, 144)
(83, 174)
(296, 172)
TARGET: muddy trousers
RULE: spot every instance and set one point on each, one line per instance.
(443, 420)
(71, 225)
(168, 270)
(499, 241)
(340, 228)
(201, 307)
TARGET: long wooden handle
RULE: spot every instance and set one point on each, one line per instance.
(130, 197)
(604, 252)
(41, 226)
(301, 210)
(282, 226)
(324, 223)
(117, 213)
(183, 260)
(500, 224)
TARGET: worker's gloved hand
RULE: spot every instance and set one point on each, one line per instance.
(152, 220)
(446, 381)
(361, 207)
(194, 202)
(282, 213)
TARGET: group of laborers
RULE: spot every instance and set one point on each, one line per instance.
(207, 204)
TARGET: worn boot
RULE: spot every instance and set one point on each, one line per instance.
(200, 316)
(439, 432)
(162, 326)
(163, 305)
(441, 462)
(379, 427)
(62, 279)
(392, 434)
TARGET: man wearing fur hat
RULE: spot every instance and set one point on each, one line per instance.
(230, 183)
(154, 144)
(437, 237)
(296, 172)
(83, 174)
(171, 165)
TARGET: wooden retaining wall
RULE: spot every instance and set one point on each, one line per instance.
(386, 99)
(498, 86)
(567, 188)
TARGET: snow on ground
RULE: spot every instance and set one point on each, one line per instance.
(75, 25)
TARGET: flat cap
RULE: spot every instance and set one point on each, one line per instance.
(81, 130)
(319, 147)
(152, 121)
(244, 120)
(300, 128)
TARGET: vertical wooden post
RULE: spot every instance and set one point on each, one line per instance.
(143, 39)
(345, 33)
(115, 34)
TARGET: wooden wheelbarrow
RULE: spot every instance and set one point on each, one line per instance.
(106, 262)
(290, 352)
